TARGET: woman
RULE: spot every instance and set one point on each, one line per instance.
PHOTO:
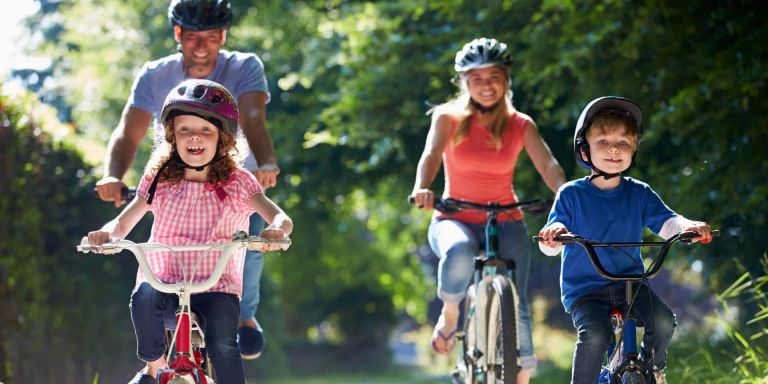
(478, 136)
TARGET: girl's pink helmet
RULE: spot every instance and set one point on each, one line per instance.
(207, 99)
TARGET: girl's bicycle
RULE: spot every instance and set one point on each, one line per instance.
(190, 363)
(489, 332)
(622, 364)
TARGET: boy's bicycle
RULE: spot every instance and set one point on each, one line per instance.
(489, 332)
(622, 364)
(190, 363)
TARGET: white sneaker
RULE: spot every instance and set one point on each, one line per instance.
(660, 377)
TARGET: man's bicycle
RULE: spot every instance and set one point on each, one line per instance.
(190, 363)
(622, 364)
(489, 332)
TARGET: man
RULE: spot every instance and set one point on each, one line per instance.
(200, 29)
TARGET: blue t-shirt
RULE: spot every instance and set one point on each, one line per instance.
(239, 72)
(619, 214)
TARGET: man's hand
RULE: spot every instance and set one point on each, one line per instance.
(109, 189)
(267, 175)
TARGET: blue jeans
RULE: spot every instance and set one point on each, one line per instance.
(591, 317)
(151, 310)
(254, 265)
(457, 244)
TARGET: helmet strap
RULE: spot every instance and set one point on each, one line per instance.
(180, 163)
(599, 172)
(483, 109)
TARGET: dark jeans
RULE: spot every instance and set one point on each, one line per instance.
(218, 314)
(591, 317)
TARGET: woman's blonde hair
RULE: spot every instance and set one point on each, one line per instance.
(462, 108)
(224, 162)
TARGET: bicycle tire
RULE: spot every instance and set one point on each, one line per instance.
(633, 377)
(466, 373)
(502, 351)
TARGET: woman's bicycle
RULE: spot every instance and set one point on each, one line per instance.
(489, 332)
(622, 364)
(190, 363)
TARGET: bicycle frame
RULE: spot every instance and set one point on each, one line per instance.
(625, 325)
(491, 276)
(186, 363)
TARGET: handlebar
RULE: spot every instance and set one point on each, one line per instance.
(653, 270)
(239, 240)
(450, 206)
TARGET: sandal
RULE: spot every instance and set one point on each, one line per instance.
(448, 340)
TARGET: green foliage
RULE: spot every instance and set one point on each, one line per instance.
(45, 192)
(750, 339)
(350, 83)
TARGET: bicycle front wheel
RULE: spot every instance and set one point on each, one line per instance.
(502, 332)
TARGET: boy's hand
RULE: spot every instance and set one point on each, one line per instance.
(702, 228)
(272, 234)
(549, 233)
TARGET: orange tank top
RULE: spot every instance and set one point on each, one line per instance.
(476, 171)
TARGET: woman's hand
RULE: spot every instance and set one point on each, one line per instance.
(423, 198)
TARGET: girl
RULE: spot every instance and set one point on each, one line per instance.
(197, 194)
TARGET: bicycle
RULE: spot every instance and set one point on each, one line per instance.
(622, 364)
(190, 364)
(489, 331)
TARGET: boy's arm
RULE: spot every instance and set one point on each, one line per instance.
(677, 224)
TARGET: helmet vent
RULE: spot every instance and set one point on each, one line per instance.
(181, 90)
(215, 99)
(199, 91)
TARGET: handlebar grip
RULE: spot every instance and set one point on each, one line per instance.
(126, 193)
(564, 239)
(686, 237)
(256, 243)
(103, 249)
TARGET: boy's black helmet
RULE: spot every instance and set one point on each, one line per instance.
(481, 53)
(595, 106)
(200, 15)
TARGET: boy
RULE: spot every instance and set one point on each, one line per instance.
(606, 206)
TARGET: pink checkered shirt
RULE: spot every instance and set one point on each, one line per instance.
(188, 213)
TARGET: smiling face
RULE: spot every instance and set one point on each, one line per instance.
(611, 147)
(487, 85)
(200, 49)
(196, 141)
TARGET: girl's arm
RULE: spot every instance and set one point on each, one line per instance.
(280, 225)
(542, 158)
(431, 160)
(122, 225)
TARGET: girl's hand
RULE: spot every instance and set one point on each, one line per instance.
(272, 234)
(549, 233)
(423, 198)
(97, 237)
(703, 229)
